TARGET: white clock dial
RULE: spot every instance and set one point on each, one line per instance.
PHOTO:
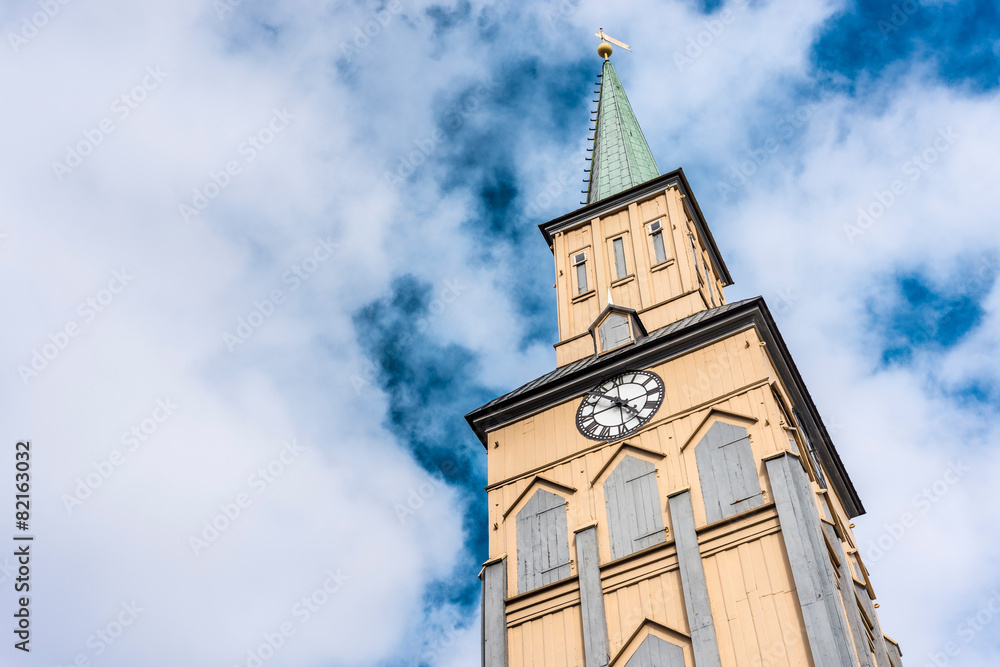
(620, 405)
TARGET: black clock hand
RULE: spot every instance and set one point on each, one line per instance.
(622, 403)
(628, 407)
(611, 407)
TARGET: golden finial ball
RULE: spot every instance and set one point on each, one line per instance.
(604, 50)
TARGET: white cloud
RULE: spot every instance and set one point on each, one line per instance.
(323, 176)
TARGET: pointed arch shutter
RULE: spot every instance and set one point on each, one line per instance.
(728, 474)
(632, 499)
(542, 541)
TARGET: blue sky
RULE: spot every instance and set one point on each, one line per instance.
(329, 237)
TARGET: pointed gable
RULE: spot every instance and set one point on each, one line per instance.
(616, 327)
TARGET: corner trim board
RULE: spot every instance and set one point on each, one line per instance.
(704, 642)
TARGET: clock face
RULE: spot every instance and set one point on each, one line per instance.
(620, 405)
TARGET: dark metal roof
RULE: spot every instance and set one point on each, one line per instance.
(580, 364)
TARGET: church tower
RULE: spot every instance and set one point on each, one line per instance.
(668, 496)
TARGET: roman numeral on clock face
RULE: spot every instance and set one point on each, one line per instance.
(620, 405)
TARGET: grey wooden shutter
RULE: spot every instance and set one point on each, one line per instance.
(729, 480)
(655, 652)
(632, 499)
(614, 332)
(542, 541)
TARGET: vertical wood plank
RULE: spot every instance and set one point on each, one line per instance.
(595, 625)
(495, 615)
(699, 610)
(812, 571)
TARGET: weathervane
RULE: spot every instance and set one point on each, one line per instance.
(604, 50)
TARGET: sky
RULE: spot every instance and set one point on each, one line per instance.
(260, 259)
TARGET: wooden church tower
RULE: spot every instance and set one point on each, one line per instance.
(668, 496)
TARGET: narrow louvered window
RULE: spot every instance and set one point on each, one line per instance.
(659, 251)
(619, 249)
(580, 261)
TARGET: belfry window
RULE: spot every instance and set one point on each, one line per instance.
(656, 232)
(580, 262)
(618, 245)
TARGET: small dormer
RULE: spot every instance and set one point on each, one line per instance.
(616, 327)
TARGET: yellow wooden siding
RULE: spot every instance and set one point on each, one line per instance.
(693, 381)
(726, 380)
(657, 598)
(662, 294)
(552, 640)
(756, 612)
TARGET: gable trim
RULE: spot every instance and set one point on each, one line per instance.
(647, 624)
(618, 450)
(536, 481)
(719, 415)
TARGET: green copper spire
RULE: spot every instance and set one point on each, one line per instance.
(622, 158)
